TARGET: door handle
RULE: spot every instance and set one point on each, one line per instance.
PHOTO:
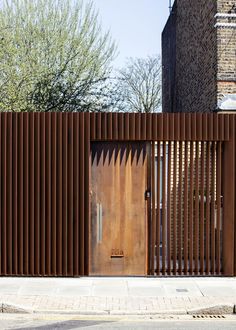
(99, 222)
(147, 194)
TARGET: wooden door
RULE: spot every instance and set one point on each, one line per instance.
(118, 229)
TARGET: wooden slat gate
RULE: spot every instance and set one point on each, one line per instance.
(45, 201)
(187, 208)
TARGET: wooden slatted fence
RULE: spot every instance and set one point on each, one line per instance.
(44, 190)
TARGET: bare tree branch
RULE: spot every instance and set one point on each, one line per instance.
(141, 84)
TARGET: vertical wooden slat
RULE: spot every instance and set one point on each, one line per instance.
(132, 128)
(175, 210)
(169, 219)
(1, 193)
(59, 194)
(199, 126)
(183, 127)
(81, 199)
(99, 126)
(191, 208)
(48, 187)
(4, 195)
(42, 196)
(143, 127)
(208, 175)
(158, 222)
(14, 189)
(9, 194)
(149, 208)
(164, 210)
(228, 189)
(86, 192)
(115, 126)
(104, 125)
(126, 125)
(177, 126)
(171, 128)
(31, 192)
(36, 194)
(65, 194)
(218, 203)
(121, 126)
(186, 192)
(202, 204)
(221, 127)
(137, 126)
(204, 126)
(153, 237)
(215, 127)
(155, 128)
(180, 223)
(93, 125)
(26, 192)
(194, 127)
(70, 195)
(166, 132)
(149, 126)
(226, 126)
(20, 193)
(233, 146)
(213, 173)
(109, 126)
(188, 126)
(196, 213)
(210, 128)
(76, 193)
(54, 194)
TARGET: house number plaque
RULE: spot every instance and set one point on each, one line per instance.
(117, 253)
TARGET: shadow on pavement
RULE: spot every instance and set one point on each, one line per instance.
(65, 325)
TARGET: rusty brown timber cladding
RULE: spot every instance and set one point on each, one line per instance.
(44, 193)
(44, 185)
(159, 127)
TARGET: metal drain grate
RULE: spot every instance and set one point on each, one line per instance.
(208, 317)
(181, 290)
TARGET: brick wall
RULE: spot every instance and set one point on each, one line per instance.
(224, 6)
(226, 50)
(169, 63)
(201, 55)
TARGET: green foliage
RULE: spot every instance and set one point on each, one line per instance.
(53, 55)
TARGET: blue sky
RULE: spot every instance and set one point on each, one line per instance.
(136, 25)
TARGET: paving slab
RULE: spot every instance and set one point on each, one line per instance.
(74, 291)
(109, 290)
(181, 289)
(36, 290)
(151, 291)
(8, 288)
(218, 291)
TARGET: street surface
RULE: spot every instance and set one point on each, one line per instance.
(48, 322)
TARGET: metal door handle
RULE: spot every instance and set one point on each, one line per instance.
(99, 222)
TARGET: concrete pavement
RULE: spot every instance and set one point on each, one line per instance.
(118, 296)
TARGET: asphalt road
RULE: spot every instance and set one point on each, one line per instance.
(48, 322)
